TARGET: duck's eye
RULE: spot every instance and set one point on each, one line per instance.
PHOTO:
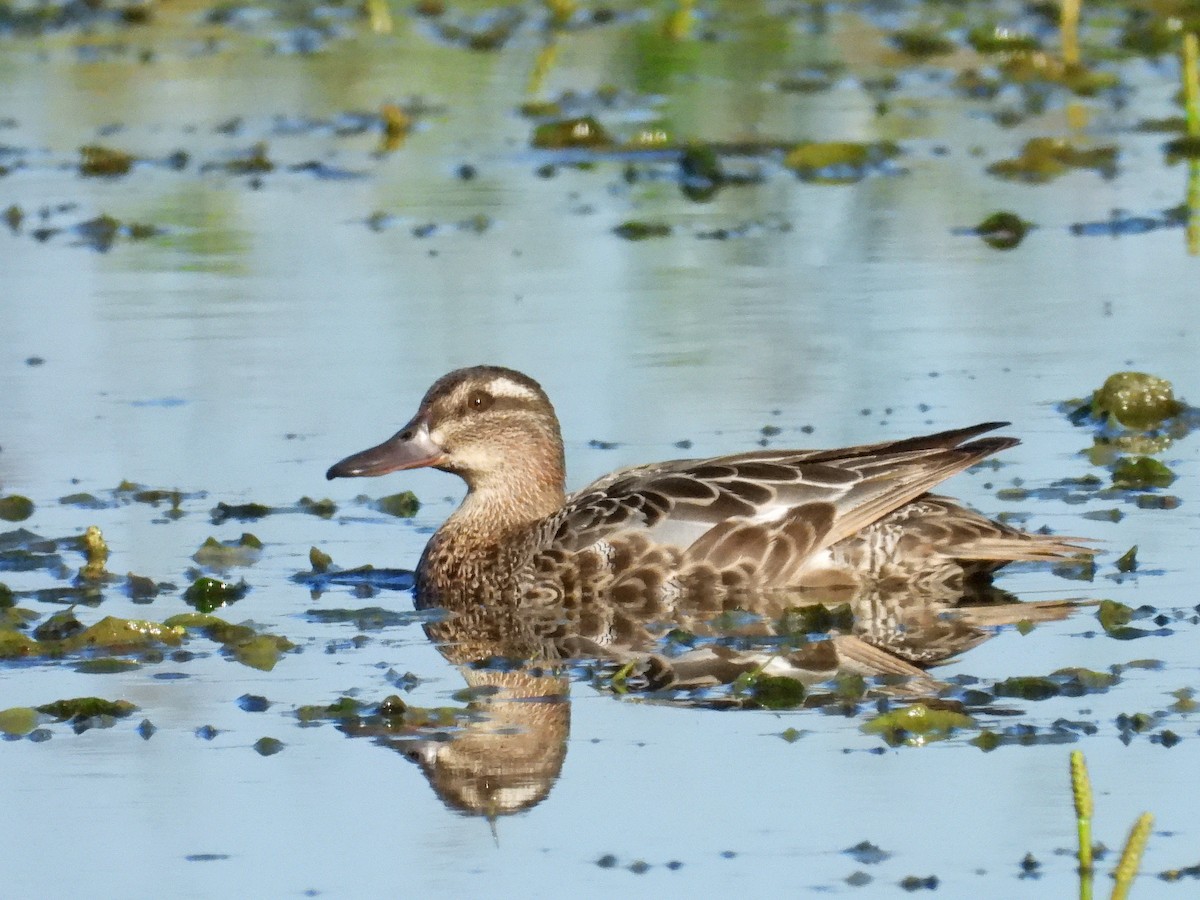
(478, 401)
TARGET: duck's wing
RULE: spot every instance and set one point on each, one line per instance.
(772, 508)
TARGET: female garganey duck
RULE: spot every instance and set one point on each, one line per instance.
(688, 536)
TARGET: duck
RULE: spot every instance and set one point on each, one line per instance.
(677, 541)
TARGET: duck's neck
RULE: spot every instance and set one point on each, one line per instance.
(499, 506)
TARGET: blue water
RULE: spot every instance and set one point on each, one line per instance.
(269, 331)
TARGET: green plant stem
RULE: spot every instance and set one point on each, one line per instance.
(1069, 25)
(1191, 83)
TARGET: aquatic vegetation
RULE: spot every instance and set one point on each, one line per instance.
(579, 133)
(922, 42)
(1003, 230)
(838, 162)
(396, 126)
(243, 512)
(224, 555)
(103, 161)
(640, 231)
(268, 746)
(207, 594)
(15, 508)
(1141, 473)
(1136, 400)
(240, 642)
(917, 725)
(96, 551)
(111, 635)
(1043, 159)
(404, 505)
(998, 39)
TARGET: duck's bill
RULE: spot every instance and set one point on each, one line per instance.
(409, 448)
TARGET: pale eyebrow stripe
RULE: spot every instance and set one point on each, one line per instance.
(502, 387)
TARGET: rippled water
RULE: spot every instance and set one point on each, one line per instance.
(281, 321)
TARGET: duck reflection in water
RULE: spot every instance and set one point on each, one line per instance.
(678, 578)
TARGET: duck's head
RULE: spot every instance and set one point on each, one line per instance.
(486, 424)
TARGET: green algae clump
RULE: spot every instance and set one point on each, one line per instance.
(583, 133)
(15, 508)
(917, 725)
(207, 594)
(837, 162)
(87, 708)
(404, 505)
(639, 231)
(214, 554)
(922, 43)
(96, 551)
(18, 721)
(1141, 473)
(1136, 400)
(1043, 159)
(103, 162)
(1003, 230)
